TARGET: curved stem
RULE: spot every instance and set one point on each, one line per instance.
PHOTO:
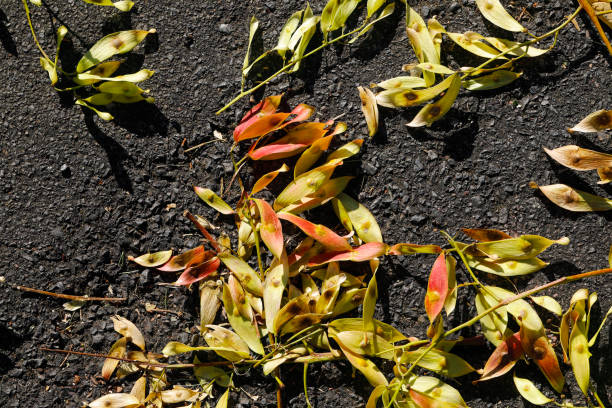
(286, 67)
(27, 11)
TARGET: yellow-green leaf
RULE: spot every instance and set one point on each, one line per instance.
(361, 219)
(274, 286)
(403, 82)
(153, 259)
(494, 80)
(374, 5)
(369, 109)
(118, 400)
(287, 31)
(493, 11)
(548, 303)
(574, 200)
(113, 44)
(252, 30)
(213, 200)
(220, 337)
(434, 111)
(401, 97)
(245, 328)
(529, 391)
(139, 76)
(438, 361)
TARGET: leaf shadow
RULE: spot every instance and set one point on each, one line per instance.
(116, 154)
(5, 36)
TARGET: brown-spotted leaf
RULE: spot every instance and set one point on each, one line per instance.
(116, 400)
(274, 285)
(360, 218)
(578, 158)
(594, 122)
(128, 329)
(493, 11)
(213, 200)
(369, 108)
(485, 235)
(574, 200)
(179, 262)
(198, 272)
(245, 274)
(153, 259)
(305, 185)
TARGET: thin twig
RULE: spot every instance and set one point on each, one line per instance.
(204, 231)
(70, 297)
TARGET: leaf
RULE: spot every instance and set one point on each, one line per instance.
(437, 288)
(344, 152)
(574, 200)
(494, 80)
(122, 90)
(270, 229)
(505, 45)
(304, 185)
(301, 37)
(123, 5)
(245, 274)
(605, 174)
(73, 305)
(103, 70)
(434, 111)
(50, 68)
(360, 217)
(349, 300)
(509, 267)
(196, 273)
(523, 247)
(103, 115)
(365, 343)
(529, 391)
(274, 286)
(485, 235)
(411, 249)
(223, 401)
(311, 155)
(213, 200)
(245, 328)
(603, 322)
(369, 109)
(286, 32)
(301, 322)
(424, 389)
(369, 305)
(264, 108)
(400, 97)
(503, 358)
(253, 26)
(369, 370)
(262, 126)
(119, 400)
(112, 44)
(209, 304)
(295, 307)
(139, 388)
(177, 394)
(384, 330)
(362, 253)
(152, 260)
(327, 16)
(325, 193)
(403, 82)
(421, 41)
(594, 122)
(495, 324)
(267, 179)
(578, 158)
(374, 5)
(128, 329)
(603, 7)
(321, 233)
(118, 349)
(139, 76)
(174, 347)
(451, 297)
(473, 42)
(579, 357)
(222, 338)
(431, 67)
(179, 262)
(438, 361)
(548, 303)
(493, 11)
(387, 11)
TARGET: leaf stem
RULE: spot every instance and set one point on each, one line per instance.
(27, 11)
(286, 67)
(70, 297)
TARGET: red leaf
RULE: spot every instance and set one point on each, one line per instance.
(271, 231)
(263, 108)
(503, 358)
(301, 112)
(321, 233)
(262, 126)
(179, 262)
(362, 253)
(197, 273)
(277, 151)
(437, 288)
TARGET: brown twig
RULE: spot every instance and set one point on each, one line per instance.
(204, 231)
(593, 16)
(70, 297)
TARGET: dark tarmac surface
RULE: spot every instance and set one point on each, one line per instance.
(80, 194)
